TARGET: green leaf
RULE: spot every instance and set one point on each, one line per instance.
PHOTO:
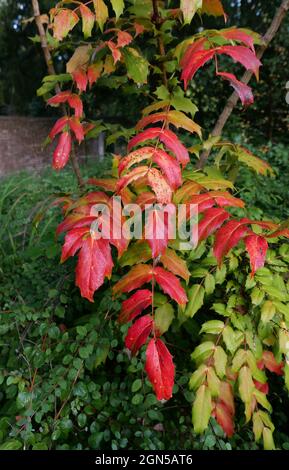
(137, 66)
(209, 284)
(286, 375)
(203, 351)
(220, 361)
(164, 316)
(196, 300)
(257, 296)
(118, 7)
(12, 444)
(213, 382)
(189, 8)
(257, 426)
(232, 339)
(181, 103)
(262, 400)
(246, 385)
(213, 327)
(276, 293)
(268, 311)
(198, 377)
(239, 360)
(136, 386)
(268, 439)
(202, 409)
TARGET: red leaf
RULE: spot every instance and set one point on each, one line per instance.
(76, 128)
(212, 220)
(169, 166)
(62, 151)
(213, 198)
(116, 54)
(244, 91)
(224, 418)
(109, 184)
(159, 186)
(138, 333)
(144, 153)
(94, 264)
(75, 103)
(73, 242)
(156, 229)
(137, 277)
(61, 97)
(239, 35)
(197, 46)
(229, 236)
(264, 388)
(123, 38)
(257, 247)
(139, 29)
(195, 61)
(88, 20)
(64, 21)
(135, 174)
(160, 369)
(167, 137)
(268, 360)
(80, 78)
(134, 306)
(58, 127)
(243, 55)
(171, 285)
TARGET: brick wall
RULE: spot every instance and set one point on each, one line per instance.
(21, 143)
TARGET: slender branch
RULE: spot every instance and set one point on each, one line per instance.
(232, 101)
(51, 71)
(158, 22)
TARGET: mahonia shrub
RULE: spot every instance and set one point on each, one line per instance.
(245, 334)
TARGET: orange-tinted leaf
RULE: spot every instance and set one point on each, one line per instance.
(159, 186)
(213, 7)
(88, 19)
(244, 91)
(176, 265)
(64, 21)
(116, 54)
(123, 38)
(257, 247)
(75, 103)
(169, 167)
(138, 333)
(188, 189)
(171, 285)
(137, 277)
(144, 153)
(135, 305)
(160, 369)
(108, 184)
(62, 151)
(94, 72)
(94, 264)
(145, 198)
(212, 220)
(167, 137)
(229, 236)
(177, 118)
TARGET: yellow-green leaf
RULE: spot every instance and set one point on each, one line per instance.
(196, 300)
(202, 409)
(164, 316)
(118, 7)
(101, 12)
